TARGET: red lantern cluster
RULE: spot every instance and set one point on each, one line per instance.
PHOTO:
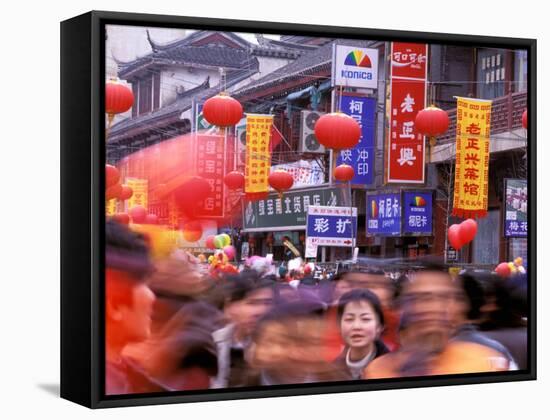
(118, 98)
(234, 180)
(432, 122)
(524, 119)
(280, 181)
(462, 234)
(337, 131)
(344, 173)
(222, 110)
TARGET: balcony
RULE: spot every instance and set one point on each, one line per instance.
(507, 132)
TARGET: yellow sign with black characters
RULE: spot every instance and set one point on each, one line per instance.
(258, 155)
(473, 129)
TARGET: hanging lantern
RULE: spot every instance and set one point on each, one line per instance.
(234, 180)
(524, 119)
(112, 175)
(188, 195)
(222, 110)
(344, 173)
(113, 192)
(126, 193)
(280, 181)
(192, 231)
(337, 131)
(118, 99)
(432, 122)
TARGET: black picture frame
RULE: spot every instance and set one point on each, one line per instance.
(83, 201)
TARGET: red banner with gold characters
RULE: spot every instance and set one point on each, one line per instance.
(258, 156)
(473, 129)
(408, 82)
(211, 159)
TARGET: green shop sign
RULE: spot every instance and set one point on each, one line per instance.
(290, 212)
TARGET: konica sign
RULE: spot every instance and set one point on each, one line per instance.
(354, 67)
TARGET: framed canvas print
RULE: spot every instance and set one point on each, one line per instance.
(257, 209)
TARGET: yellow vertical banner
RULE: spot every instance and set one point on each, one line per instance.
(258, 155)
(473, 129)
(140, 192)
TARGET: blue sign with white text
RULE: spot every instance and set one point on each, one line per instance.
(417, 209)
(361, 157)
(384, 214)
(332, 226)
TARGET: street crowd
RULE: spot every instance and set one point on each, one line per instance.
(172, 325)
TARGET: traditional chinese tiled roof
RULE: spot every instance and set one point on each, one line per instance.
(306, 64)
(205, 57)
(173, 111)
(268, 47)
(199, 38)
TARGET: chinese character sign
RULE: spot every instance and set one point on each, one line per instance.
(211, 166)
(288, 212)
(409, 60)
(361, 157)
(258, 156)
(332, 226)
(408, 96)
(473, 128)
(417, 212)
(140, 193)
(515, 218)
(384, 214)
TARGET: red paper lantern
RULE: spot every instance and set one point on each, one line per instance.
(344, 173)
(280, 181)
(337, 131)
(188, 194)
(113, 192)
(118, 98)
(122, 218)
(222, 110)
(151, 219)
(192, 231)
(125, 193)
(524, 119)
(503, 269)
(138, 214)
(234, 180)
(112, 175)
(432, 122)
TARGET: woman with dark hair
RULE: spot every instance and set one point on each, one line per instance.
(361, 323)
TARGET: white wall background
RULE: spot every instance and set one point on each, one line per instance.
(29, 211)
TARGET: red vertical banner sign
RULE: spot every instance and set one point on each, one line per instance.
(408, 82)
(211, 166)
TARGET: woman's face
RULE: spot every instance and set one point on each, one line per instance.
(359, 324)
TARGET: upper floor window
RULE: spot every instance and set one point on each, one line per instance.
(491, 73)
(146, 93)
